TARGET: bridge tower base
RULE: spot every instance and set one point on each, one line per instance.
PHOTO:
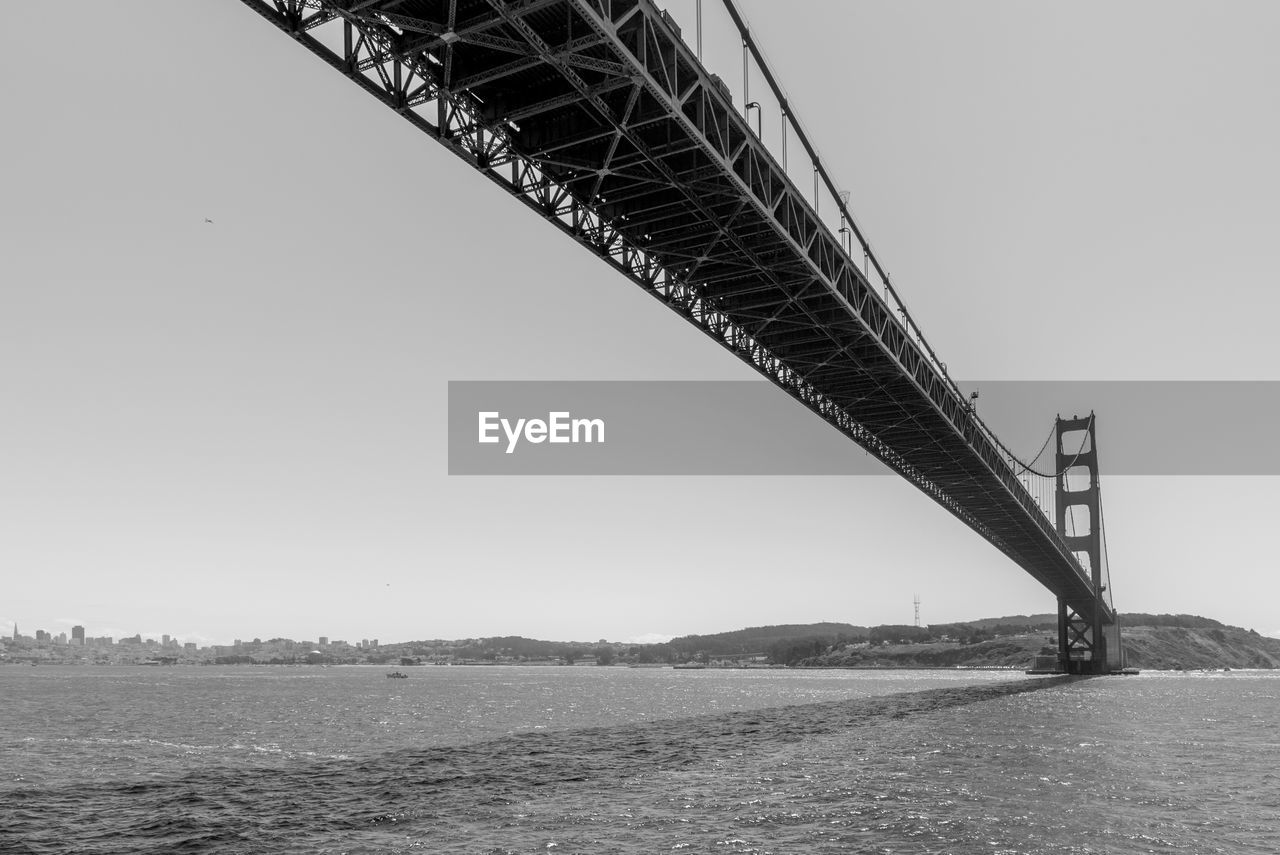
(1081, 650)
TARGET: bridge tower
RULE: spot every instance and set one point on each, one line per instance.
(1082, 641)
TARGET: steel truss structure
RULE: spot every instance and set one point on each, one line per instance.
(598, 116)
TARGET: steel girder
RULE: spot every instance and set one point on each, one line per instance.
(595, 114)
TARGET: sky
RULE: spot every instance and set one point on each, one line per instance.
(237, 429)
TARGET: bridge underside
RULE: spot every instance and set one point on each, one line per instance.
(599, 117)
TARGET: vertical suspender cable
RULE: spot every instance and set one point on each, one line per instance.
(699, 29)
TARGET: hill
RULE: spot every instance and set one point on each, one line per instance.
(779, 642)
(1150, 641)
(1157, 641)
(1220, 646)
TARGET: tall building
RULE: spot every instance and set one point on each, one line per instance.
(77, 635)
(324, 641)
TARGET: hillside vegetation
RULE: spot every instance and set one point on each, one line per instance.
(1201, 647)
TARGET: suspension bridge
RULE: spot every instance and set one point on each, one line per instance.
(602, 118)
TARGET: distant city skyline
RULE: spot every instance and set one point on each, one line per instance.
(166, 640)
(13, 629)
(9, 628)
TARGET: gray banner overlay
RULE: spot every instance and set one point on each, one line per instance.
(754, 428)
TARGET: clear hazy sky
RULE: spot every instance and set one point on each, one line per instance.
(238, 429)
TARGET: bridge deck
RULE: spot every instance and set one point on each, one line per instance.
(597, 115)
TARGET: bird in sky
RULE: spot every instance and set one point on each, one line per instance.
(207, 220)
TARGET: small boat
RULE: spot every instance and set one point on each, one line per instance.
(396, 675)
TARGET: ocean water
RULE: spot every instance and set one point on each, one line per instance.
(497, 760)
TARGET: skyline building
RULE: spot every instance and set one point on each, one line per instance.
(77, 635)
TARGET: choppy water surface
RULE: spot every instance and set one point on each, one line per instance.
(522, 760)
